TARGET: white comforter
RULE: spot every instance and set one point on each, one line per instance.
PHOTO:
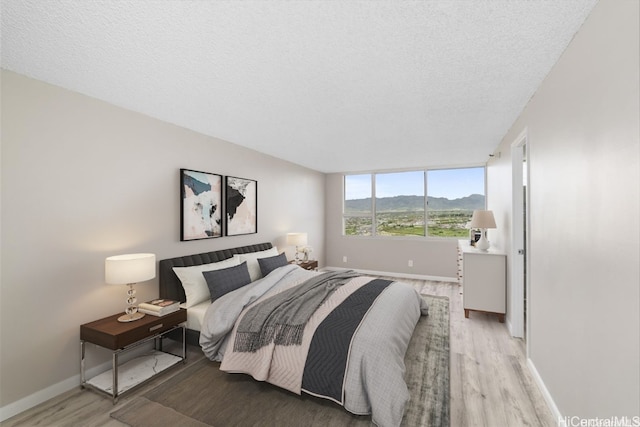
(374, 381)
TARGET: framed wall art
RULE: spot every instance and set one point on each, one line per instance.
(200, 205)
(241, 214)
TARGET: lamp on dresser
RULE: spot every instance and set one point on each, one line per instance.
(128, 270)
(482, 220)
(297, 240)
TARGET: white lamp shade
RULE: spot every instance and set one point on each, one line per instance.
(482, 219)
(131, 268)
(297, 239)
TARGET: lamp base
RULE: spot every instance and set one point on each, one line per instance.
(130, 317)
(483, 244)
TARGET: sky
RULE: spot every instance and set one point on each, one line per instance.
(448, 183)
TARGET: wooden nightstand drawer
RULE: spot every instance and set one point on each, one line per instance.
(111, 334)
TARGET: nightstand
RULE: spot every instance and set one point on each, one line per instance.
(483, 278)
(308, 265)
(122, 337)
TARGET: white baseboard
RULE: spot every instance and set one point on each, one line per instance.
(64, 386)
(545, 393)
(400, 275)
(50, 392)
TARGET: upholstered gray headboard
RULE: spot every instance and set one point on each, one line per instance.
(170, 286)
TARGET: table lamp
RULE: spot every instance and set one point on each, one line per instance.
(297, 240)
(483, 220)
(128, 270)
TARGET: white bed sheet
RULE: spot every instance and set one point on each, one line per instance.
(195, 315)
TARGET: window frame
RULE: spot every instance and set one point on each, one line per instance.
(372, 214)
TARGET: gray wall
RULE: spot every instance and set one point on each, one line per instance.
(431, 257)
(82, 180)
(583, 133)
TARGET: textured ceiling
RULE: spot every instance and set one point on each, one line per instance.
(337, 86)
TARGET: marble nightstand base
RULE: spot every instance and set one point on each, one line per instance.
(135, 371)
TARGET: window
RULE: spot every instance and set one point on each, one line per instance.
(395, 202)
(400, 204)
(453, 194)
(358, 205)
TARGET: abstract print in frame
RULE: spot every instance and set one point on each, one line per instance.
(200, 205)
(242, 206)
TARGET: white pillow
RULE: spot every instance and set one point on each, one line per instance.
(252, 261)
(193, 282)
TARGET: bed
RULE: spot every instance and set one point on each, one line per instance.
(342, 338)
(171, 286)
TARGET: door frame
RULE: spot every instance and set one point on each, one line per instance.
(517, 241)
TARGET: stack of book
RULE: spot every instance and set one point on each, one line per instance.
(159, 307)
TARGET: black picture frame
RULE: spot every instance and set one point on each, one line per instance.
(241, 206)
(200, 205)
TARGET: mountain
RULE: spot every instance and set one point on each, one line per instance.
(474, 201)
(415, 203)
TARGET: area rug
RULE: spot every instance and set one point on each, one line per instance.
(202, 395)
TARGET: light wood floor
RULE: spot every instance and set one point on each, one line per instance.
(490, 382)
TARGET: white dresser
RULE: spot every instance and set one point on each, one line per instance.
(482, 276)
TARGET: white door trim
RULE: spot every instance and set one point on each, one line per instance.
(517, 242)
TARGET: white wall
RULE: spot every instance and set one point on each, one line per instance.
(584, 158)
(82, 180)
(431, 257)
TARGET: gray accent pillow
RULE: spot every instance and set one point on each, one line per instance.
(225, 280)
(267, 265)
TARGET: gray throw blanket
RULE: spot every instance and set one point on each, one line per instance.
(281, 318)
